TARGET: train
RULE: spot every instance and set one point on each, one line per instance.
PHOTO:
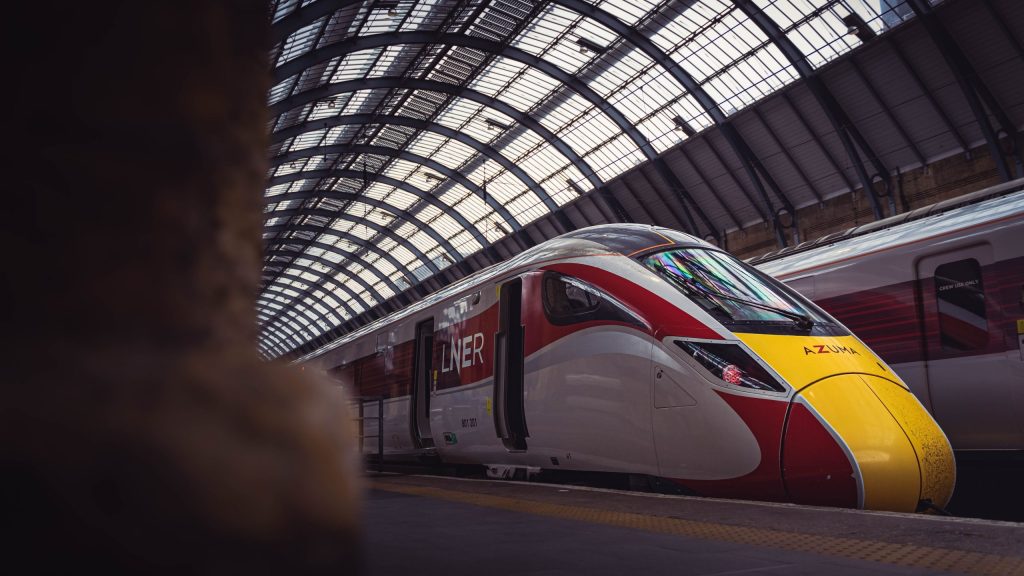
(938, 293)
(640, 350)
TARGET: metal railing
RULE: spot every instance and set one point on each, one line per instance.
(362, 401)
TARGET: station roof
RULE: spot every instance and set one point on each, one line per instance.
(412, 137)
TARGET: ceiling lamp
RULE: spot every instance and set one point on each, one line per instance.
(856, 26)
(588, 46)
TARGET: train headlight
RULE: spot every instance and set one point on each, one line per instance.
(732, 365)
(733, 374)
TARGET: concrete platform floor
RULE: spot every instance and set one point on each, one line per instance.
(451, 526)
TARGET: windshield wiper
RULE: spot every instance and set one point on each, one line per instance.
(694, 290)
(802, 321)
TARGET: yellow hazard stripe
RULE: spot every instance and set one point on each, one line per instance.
(928, 558)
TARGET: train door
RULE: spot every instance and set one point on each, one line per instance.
(509, 398)
(968, 385)
(422, 365)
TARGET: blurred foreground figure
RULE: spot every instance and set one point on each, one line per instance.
(138, 430)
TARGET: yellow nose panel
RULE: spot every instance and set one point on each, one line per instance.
(902, 454)
(888, 465)
(934, 454)
(804, 359)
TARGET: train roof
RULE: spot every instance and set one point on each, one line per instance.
(1004, 200)
(908, 222)
(625, 239)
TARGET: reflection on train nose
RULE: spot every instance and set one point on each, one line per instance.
(885, 473)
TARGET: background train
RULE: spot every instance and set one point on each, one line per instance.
(939, 294)
(640, 350)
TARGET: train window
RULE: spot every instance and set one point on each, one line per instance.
(960, 296)
(568, 300)
(738, 295)
(566, 297)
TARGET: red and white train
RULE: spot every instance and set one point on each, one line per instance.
(636, 349)
(941, 299)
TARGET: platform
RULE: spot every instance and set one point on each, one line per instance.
(453, 526)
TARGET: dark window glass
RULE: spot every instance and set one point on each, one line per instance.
(568, 300)
(564, 297)
(961, 303)
(738, 295)
(730, 363)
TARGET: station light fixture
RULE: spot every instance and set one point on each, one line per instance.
(588, 46)
(684, 126)
(391, 7)
(574, 186)
(428, 176)
(856, 26)
(494, 125)
(499, 227)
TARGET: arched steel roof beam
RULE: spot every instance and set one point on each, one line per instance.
(280, 251)
(387, 82)
(454, 255)
(424, 195)
(350, 197)
(751, 163)
(369, 224)
(501, 210)
(755, 170)
(333, 249)
(302, 16)
(570, 81)
(304, 315)
(288, 338)
(514, 169)
(337, 284)
(380, 230)
(972, 87)
(297, 310)
(286, 299)
(847, 132)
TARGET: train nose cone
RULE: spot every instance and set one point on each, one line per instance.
(861, 440)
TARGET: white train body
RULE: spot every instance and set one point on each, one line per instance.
(641, 350)
(941, 299)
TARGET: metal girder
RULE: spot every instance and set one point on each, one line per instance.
(434, 165)
(424, 196)
(305, 15)
(972, 87)
(845, 129)
(785, 152)
(336, 250)
(570, 81)
(308, 317)
(304, 315)
(928, 94)
(296, 309)
(398, 83)
(639, 203)
(703, 176)
(454, 255)
(364, 222)
(752, 165)
(384, 205)
(817, 140)
(887, 110)
(337, 286)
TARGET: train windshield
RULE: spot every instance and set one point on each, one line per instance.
(738, 295)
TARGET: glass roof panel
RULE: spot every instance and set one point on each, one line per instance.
(712, 40)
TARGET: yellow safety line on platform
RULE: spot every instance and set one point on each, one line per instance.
(932, 559)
